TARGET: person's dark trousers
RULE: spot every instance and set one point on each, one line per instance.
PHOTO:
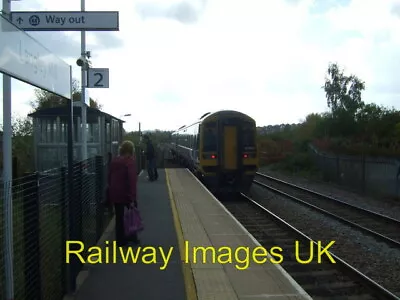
(119, 224)
(155, 173)
(150, 169)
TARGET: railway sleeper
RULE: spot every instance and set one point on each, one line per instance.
(319, 273)
(393, 235)
(275, 230)
(283, 240)
(292, 265)
(277, 234)
(251, 227)
(338, 288)
(324, 280)
(358, 297)
(263, 224)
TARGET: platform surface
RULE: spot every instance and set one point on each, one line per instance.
(206, 223)
(141, 281)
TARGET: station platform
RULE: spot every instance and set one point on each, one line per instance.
(140, 281)
(179, 213)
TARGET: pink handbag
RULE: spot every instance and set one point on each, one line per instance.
(132, 221)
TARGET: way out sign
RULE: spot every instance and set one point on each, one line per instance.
(66, 20)
(98, 78)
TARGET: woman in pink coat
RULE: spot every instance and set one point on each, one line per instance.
(122, 188)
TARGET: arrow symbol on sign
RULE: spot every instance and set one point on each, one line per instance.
(20, 20)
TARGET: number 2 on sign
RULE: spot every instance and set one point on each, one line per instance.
(98, 82)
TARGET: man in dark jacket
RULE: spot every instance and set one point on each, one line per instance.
(151, 159)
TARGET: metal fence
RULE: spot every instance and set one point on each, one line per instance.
(45, 217)
(377, 176)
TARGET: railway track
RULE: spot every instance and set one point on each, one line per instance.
(381, 227)
(325, 280)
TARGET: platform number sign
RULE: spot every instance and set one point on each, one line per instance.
(98, 78)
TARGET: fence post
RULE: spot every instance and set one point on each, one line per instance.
(15, 167)
(78, 201)
(325, 175)
(99, 196)
(31, 214)
(363, 183)
(338, 177)
(64, 238)
(75, 224)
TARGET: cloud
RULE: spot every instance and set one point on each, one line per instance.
(58, 43)
(108, 40)
(172, 61)
(395, 9)
(270, 58)
(184, 11)
(67, 44)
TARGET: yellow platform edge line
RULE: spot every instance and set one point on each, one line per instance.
(190, 285)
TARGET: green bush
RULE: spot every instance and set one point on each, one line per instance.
(296, 162)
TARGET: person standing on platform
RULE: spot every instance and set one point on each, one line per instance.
(151, 159)
(122, 187)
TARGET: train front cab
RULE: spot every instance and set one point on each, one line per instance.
(229, 163)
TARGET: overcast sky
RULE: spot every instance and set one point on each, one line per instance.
(173, 61)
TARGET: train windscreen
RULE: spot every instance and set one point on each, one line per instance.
(248, 137)
(210, 137)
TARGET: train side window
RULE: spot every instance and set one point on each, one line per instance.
(191, 137)
(198, 137)
(197, 143)
(194, 133)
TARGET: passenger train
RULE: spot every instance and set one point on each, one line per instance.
(220, 149)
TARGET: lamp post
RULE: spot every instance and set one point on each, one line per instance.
(125, 115)
(140, 133)
(122, 129)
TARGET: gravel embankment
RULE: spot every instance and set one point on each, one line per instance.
(389, 208)
(376, 260)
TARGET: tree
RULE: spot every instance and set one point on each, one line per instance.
(22, 142)
(343, 93)
(309, 128)
(45, 99)
(157, 136)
